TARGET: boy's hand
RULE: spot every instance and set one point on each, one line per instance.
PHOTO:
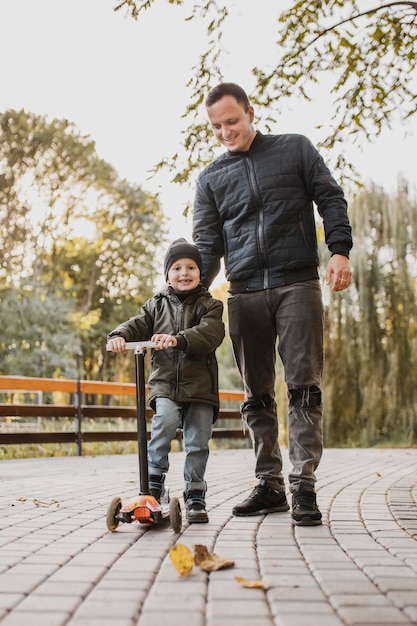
(117, 344)
(164, 341)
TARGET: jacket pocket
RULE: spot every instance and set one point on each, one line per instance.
(303, 230)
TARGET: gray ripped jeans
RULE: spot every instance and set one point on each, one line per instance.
(293, 314)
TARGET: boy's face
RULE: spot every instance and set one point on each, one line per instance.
(184, 275)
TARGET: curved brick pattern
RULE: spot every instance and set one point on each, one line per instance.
(60, 566)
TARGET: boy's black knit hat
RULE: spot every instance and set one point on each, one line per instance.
(181, 249)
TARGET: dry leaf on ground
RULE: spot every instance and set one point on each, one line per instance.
(182, 559)
(40, 503)
(258, 584)
(209, 562)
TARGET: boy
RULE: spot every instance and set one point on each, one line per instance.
(185, 322)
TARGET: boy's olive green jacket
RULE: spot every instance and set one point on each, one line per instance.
(188, 372)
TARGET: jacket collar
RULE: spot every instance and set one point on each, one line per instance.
(257, 140)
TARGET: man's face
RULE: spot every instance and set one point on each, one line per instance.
(231, 124)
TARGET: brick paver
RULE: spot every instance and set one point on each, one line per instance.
(59, 565)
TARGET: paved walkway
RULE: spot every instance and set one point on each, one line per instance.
(59, 565)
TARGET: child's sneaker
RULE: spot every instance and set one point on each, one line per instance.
(195, 507)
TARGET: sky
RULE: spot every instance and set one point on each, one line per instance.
(123, 83)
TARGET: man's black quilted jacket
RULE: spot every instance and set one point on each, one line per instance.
(255, 208)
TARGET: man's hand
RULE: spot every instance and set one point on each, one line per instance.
(339, 272)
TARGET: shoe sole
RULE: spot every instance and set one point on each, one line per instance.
(271, 509)
(197, 519)
(307, 521)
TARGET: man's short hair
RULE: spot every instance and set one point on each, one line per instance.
(227, 89)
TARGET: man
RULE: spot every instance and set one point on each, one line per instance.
(254, 207)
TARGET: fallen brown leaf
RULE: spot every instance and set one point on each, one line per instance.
(208, 561)
(40, 503)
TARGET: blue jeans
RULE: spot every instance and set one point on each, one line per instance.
(293, 314)
(196, 421)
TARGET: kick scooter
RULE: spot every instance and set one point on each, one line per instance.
(144, 509)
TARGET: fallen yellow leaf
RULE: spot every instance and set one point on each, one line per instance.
(258, 584)
(208, 561)
(182, 559)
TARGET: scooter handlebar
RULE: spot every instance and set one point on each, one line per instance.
(135, 345)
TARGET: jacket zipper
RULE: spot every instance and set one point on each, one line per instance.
(210, 373)
(261, 216)
(176, 352)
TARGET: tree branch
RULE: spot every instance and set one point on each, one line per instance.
(413, 5)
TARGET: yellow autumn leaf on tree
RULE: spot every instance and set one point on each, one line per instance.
(182, 559)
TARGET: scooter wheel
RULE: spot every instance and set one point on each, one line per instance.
(112, 514)
(175, 515)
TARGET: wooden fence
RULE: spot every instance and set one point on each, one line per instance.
(14, 428)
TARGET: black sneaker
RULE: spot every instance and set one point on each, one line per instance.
(305, 511)
(262, 500)
(195, 507)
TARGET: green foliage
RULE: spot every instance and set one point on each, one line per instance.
(371, 330)
(79, 249)
(134, 8)
(229, 378)
(368, 58)
(38, 338)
